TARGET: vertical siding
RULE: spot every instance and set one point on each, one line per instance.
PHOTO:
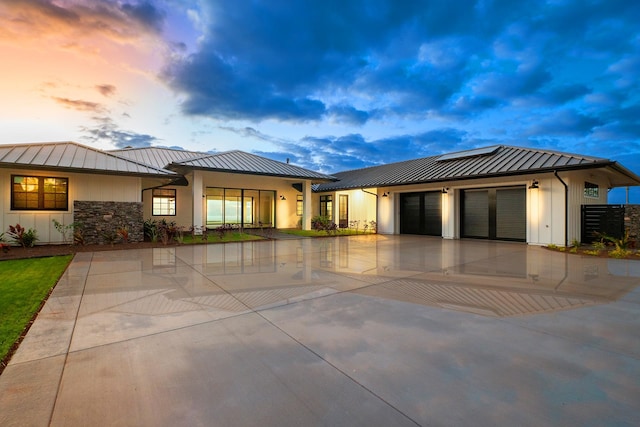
(81, 187)
(577, 199)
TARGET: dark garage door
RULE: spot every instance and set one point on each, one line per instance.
(421, 213)
(495, 213)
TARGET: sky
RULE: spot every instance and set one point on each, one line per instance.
(331, 85)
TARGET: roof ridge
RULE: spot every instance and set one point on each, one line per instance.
(560, 153)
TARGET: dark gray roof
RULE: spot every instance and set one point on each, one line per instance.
(478, 163)
(71, 156)
(157, 156)
(240, 162)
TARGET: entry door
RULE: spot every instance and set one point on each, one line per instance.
(343, 211)
(495, 213)
(421, 213)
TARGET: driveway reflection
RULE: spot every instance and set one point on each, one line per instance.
(486, 278)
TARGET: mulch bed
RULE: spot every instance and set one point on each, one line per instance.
(18, 252)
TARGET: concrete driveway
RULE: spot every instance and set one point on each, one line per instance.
(364, 330)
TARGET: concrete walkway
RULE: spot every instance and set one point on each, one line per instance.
(363, 330)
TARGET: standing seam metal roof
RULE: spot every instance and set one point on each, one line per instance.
(73, 156)
(504, 160)
(240, 162)
(157, 156)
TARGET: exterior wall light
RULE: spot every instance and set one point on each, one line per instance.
(283, 198)
(445, 190)
(534, 185)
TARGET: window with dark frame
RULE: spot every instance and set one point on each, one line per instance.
(591, 190)
(39, 193)
(326, 207)
(299, 205)
(164, 202)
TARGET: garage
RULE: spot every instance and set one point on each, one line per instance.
(421, 213)
(494, 213)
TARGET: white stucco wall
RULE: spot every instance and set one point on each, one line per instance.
(191, 208)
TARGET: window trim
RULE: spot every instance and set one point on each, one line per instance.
(326, 205)
(41, 193)
(164, 196)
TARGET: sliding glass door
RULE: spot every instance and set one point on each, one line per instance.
(246, 208)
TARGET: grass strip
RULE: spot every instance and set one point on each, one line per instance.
(24, 286)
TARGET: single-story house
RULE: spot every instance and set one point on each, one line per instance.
(104, 190)
(497, 192)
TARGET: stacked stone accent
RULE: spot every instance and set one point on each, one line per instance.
(632, 221)
(99, 221)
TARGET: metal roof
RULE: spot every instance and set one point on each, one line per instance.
(240, 162)
(157, 156)
(478, 163)
(71, 156)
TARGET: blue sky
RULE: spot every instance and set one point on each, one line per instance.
(332, 85)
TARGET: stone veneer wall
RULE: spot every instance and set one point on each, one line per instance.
(632, 220)
(100, 219)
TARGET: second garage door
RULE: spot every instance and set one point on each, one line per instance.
(494, 213)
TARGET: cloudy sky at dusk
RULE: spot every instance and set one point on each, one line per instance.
(332, 85)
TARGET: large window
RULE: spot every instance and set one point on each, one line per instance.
(244, 207)
(326, 207)
(164, 202)
(39, 193)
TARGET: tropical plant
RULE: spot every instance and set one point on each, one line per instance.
(23, 237)
(123, 232)
(623, 242)
(166, 231)
(109, 236)
(150, 228)
(5, 248)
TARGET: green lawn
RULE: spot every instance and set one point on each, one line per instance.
(231, 236)
(24, 284)
(315, 233)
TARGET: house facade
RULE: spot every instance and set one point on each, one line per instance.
(498, 192)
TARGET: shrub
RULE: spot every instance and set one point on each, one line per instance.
(123, 232)
(620, 253)
(323, 223)
(224, 229)
(622, 243)
(66, 229)
(150, 228)
(25, 238)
